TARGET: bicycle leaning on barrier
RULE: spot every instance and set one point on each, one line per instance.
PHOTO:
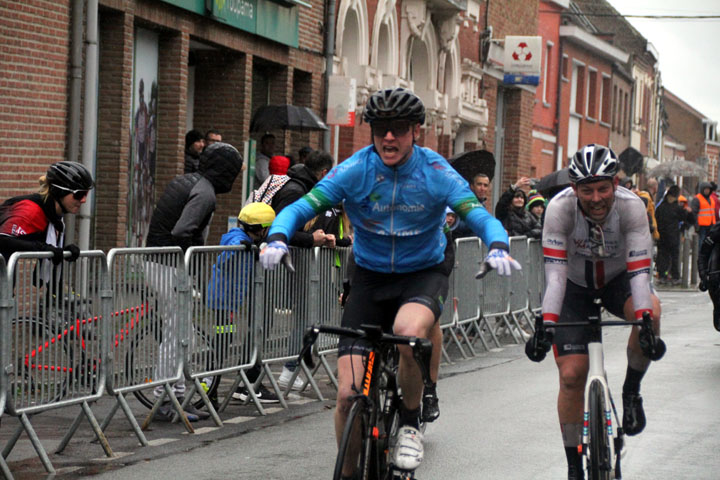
(395, 194)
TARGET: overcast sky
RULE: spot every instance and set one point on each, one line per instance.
(689, 57)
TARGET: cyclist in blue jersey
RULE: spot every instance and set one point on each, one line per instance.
(395, 194)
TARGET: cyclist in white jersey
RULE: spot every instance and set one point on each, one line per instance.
(597, 245)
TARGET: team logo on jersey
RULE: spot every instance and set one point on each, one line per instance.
(637, 253)
(379, 178)
(18, 230)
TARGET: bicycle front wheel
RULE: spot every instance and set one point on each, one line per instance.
(598, 461)
(355, 444)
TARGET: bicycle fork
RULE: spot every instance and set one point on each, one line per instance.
(596, 372)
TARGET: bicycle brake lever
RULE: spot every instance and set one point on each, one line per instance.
(485, 268)
(308, 340)
(422, 351)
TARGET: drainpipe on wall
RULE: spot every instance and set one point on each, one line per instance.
(329, 54)
(89, 118)
(75, 98)
(559, 162)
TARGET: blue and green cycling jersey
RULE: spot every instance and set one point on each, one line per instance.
(397, 213)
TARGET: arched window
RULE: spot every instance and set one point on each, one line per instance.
(385, 39)
(351, 43)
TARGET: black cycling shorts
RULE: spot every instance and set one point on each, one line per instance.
(375, 299)
(579, 304)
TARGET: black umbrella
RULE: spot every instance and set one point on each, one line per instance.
(631, 161)
(551, 183)
(285, 117)
(469, 164)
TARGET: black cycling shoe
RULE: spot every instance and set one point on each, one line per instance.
(716, 319)
(430, 407)
(633, 413)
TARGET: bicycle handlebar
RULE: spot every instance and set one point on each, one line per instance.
(421, 347)
(651, 344)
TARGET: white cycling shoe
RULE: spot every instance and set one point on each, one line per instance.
(408, 451)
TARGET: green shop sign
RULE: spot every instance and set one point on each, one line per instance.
(273, 19)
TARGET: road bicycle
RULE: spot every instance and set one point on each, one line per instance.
(374, 416)
(57, 355)
(603, 441)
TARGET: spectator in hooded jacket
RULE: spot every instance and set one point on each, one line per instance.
(670, 215)
(510, 210)
(181, 217)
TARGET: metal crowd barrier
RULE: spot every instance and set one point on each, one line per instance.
(519, 289)
(467, 291)
(330, 287)
(535, 275)
(148, 324)
(54, 340)
(224, 332)
(145, 320)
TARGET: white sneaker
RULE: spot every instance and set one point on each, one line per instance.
(408, 451)
(285, 377)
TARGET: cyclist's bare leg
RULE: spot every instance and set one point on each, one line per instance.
(573, 373)
(415, 320)
(633, 414)
(348, 365)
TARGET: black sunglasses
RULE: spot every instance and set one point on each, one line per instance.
(77, 194)
(396, 127)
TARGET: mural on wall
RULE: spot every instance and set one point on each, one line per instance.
(143, 137)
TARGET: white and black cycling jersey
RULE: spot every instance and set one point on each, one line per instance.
(591, 254)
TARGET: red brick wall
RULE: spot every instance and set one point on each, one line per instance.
(113, 151)
(511, 17)
(591, 130)
(35, 39)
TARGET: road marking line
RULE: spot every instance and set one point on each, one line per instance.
(162, 441)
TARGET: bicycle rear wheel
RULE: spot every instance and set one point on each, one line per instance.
(357, 426)
(599, 461)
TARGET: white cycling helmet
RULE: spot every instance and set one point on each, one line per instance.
(593, 162)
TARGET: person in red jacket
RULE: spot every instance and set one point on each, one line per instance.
(35, 222)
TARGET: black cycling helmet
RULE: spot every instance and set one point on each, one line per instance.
(593, 162)
(69, 176)
(394, 104)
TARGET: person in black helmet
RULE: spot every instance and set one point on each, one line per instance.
(35, 222)
(395, 194)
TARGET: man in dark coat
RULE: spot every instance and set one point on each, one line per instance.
(669, 216)
(181, 217)
(304, 176)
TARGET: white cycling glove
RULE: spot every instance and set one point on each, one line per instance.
(501, 261)
(272, 254)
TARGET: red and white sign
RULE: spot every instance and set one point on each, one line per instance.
(341, 101)
(522, 55)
